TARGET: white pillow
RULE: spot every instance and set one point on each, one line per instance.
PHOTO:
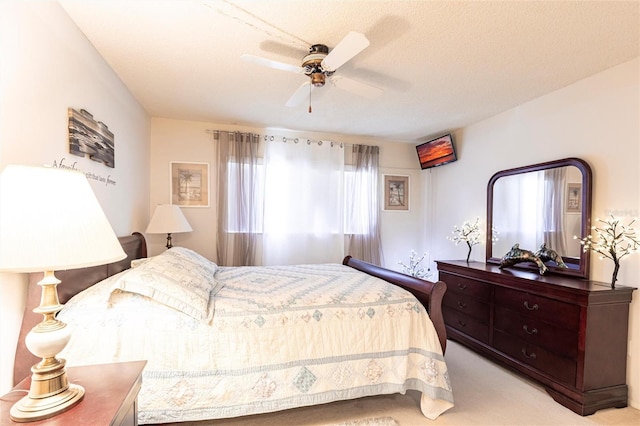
(137, 262)
(179, 278)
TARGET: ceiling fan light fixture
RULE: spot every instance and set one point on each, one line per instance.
(317, 79)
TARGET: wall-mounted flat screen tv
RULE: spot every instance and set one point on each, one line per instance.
(436, 152)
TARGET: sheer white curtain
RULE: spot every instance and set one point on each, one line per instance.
(362, 202)
(303, 203)
(516, 210)
(239, 198)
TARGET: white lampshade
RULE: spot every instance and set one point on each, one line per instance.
(168, 219)
(50, 220)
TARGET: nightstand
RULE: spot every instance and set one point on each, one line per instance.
(111, 392)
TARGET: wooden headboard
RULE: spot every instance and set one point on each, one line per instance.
(73, 282)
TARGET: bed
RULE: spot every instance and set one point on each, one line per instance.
(253, 339)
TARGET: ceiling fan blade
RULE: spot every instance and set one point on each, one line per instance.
(352, 44)
(356, 87)
(300, 95)
(272, 64)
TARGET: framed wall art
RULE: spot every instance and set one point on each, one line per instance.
(573, 198)
(189, 184)
(90, 137)
(396, 193)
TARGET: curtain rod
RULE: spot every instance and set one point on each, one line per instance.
(228, 131)
(319, 142)
(272, 138)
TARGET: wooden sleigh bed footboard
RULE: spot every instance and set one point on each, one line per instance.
(429, 293)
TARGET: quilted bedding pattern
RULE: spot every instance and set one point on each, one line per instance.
(281, 337)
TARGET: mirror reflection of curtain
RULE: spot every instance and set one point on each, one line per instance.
(238, 198)
(362, 206)
(552, 209)
(303, 203)
(515, 209)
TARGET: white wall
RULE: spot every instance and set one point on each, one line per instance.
(177, 140)
(596, 119)
(47, 66)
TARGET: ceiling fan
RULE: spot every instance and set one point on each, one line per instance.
(320, 64)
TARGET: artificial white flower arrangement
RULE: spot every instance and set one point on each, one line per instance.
(470, 233)
(612, 241)
(415, 268)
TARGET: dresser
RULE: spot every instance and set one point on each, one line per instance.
(111, 392)
(568, 334)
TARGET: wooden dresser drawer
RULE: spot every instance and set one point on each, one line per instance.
(468, 306)
(563, 369)
(530, 329)
(466, 324)
(469, 287)
(568, 334)
(562, 314)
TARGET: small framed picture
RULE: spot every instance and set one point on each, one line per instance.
(573, 199)
(396, 193)
(88, 137)
(189, 184)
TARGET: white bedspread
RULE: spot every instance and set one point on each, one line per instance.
(281, 337)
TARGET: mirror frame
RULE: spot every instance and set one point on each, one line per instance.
(583, 269)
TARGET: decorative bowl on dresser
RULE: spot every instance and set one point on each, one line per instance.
(562, 330)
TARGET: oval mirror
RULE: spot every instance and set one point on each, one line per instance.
(547, 203)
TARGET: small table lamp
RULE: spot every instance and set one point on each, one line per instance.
(50, 220)
(168, 219)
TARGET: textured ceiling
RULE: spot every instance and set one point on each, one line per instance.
(442, 65)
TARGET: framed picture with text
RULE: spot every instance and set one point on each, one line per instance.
(189, 184)
(396, 193)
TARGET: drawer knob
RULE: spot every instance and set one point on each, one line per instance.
(531, 308)
(461, 305)
(532, 355)
(462, 286)
(532, 331)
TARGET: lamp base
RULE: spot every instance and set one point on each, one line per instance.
(50, 392)
(30, 409)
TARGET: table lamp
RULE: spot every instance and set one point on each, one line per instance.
(50, 220)
(168, 219)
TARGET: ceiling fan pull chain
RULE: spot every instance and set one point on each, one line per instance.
(310, 98)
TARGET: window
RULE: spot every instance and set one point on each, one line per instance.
(351, 224)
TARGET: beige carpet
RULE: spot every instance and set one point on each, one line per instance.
(484, 393)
